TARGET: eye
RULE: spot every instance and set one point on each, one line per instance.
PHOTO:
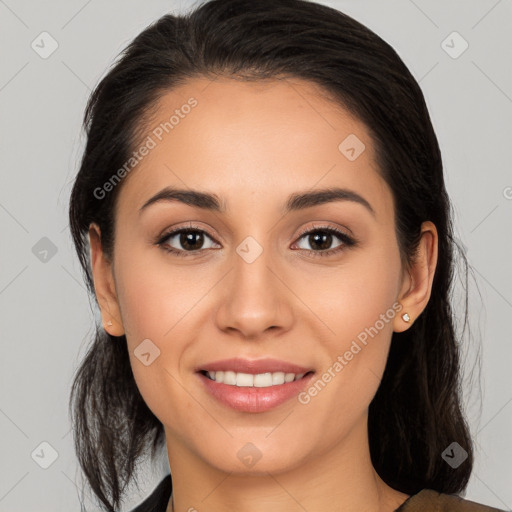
(189, 240)
(321, 237)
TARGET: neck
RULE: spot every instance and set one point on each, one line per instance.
(342, 478)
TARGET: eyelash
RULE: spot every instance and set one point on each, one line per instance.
(346, 239)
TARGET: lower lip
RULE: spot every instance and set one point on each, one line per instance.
(253, 399)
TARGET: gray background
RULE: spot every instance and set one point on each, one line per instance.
(45, 317)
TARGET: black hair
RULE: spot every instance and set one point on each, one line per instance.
(417, 412)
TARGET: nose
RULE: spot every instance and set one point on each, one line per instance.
(255, 298)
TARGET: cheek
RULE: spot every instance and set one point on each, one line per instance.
(140, 310)
(154, 296)
(351, 297)
(356, 303)
(159, 306)
(154, 324)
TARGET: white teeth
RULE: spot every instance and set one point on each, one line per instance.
(242, 379)
(260, 380)
(278, 378)
(229, 377)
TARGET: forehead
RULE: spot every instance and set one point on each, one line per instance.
(264, 140)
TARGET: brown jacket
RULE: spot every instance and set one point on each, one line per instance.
(428, 500)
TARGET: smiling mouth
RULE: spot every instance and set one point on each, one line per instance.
(259, 380)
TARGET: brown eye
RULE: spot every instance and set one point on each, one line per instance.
(185, 240)
(191, 240)
(320, 239)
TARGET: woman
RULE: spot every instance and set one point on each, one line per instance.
(271, 251)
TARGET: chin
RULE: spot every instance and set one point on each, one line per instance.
(254, 457)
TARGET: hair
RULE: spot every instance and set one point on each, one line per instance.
(417, 411)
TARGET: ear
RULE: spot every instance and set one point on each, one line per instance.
(417, 285)
(104, 284)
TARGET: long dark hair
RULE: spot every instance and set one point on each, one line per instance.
(417, 411)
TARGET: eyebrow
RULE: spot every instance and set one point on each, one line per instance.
(295, 202)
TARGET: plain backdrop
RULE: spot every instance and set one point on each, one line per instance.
(45, 317)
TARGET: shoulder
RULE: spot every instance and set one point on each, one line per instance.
(158, 500)
(429, 500)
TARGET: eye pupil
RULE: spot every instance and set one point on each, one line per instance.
(323, 240)
(187, 239)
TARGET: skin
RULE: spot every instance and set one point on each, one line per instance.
(253, 144)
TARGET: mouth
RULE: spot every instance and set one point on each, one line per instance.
(253, 386)
(258, 380)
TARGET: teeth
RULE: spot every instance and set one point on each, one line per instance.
(260, 380)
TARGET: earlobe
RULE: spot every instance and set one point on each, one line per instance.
(104, 284)
(417, 286)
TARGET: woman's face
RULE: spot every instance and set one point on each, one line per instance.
(247, 282)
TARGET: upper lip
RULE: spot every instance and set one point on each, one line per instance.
(253, 366)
